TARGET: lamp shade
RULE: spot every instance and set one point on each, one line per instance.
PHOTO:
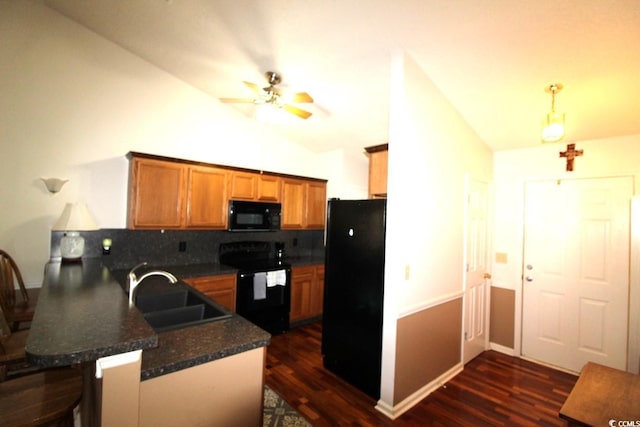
(75, 217)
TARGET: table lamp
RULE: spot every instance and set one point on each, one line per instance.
(74, 218)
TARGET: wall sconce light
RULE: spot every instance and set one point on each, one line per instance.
(553, 123)
(54, 184)
(74, 218)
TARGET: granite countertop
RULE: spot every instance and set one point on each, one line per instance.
(183, 348)
(83, 314)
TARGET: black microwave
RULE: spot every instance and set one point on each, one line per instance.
(254, 216)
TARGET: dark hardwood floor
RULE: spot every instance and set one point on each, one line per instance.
(493, 390)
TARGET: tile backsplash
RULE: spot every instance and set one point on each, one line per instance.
(162, 247)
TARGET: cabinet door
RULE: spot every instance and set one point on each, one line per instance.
(243, 186)
(378, 173)
(293, 203)
(207, 197)
(303, 204)
(156, 194)
(301, 284)
(221, 289)
(316, 204)
(317, 292)
(269, 188)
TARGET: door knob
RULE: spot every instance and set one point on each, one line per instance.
(487, 276)
(529, 279)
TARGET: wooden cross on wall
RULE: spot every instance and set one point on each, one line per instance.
(571, 154)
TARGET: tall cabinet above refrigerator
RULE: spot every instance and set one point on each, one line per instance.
(354, 291)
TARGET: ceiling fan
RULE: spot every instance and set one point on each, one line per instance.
(273, 95)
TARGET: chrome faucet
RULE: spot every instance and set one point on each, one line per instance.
(133, 281)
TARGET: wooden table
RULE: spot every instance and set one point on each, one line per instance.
(603, 395)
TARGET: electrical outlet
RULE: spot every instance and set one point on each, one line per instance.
(182, 246)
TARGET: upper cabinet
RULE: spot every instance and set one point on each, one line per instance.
(254, 186)
(156, 194)
(243, 185)
(303, 204)
(206, 197)
(269, 188)
(378, 160)
(171, 193)
(166, 194)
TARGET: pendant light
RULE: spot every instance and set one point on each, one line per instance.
(553, 123)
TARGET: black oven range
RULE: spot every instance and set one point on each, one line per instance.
(263, 283)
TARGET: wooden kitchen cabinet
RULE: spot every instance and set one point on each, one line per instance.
(167, 194)
(316, 205)
(307, 292)
(254, 186)
(303, 204)
(378, 167)
(221, 289)
(269, 188)
(156, 194)
(293, 201)
(206, 197)
(243, 186)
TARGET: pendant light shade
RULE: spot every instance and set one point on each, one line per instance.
(553, 123)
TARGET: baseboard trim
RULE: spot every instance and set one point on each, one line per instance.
(502, 349)
(395, 411)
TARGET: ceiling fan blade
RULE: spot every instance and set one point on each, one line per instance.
(301, 97)
(297, 111)
(238, 100)
(254, 87)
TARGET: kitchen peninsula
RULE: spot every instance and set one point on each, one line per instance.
(208, 374)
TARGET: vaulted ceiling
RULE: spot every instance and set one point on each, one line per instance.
(492, 59)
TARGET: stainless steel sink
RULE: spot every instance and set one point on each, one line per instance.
(176, 306)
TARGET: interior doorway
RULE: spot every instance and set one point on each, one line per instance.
(476, 300)
(575, 289)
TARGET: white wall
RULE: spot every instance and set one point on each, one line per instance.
(73, 104)
(347, 172)
(431, 151)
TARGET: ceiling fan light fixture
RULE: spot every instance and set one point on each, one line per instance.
(269, 112)
(272, 99)
(553, 123)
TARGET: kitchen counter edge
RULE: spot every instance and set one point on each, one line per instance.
(69, 327)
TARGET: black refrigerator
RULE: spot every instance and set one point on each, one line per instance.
(353, 293)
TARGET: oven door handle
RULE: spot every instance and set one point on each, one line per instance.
(244, 275)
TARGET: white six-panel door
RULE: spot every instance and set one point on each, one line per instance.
(475, 299)
(576, 271)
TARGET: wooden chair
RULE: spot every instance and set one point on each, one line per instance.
(13, 359)
(44, 398)
(19, 305)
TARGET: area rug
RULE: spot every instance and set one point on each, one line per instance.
(278, 413)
